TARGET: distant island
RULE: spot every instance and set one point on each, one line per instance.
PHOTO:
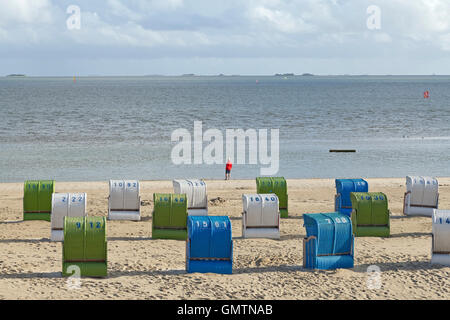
(284, 75)
(16, 75)
(188, 75)
(292, 75)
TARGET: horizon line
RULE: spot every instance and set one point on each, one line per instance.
(22, 75)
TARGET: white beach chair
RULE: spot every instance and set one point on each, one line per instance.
(124, 202)
(440, 248)
(197, 198)
(260, 216)
(421, 196)
(65, 205)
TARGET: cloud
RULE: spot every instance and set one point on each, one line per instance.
(382, 37)
(119, 9)
(20, 12)
(444, 42)
(280, 20)
(233, 29)
(158, 4)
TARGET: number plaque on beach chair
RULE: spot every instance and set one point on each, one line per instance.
(440, 252)
(329, 242)
(275, 185)
(421, 196)
(209, 246)
(169, 216)
(37, 199)
(370, 214)
(124, 202)
(65, 205)
(344, 187)
(85, 246)
(197, 198)
(260, 216)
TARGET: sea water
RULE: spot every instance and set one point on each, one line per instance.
(97, 128)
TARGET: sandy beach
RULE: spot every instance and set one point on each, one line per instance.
(142, 268)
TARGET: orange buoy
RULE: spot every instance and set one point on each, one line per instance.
(426, 94)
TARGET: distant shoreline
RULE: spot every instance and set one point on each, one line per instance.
(304, 75)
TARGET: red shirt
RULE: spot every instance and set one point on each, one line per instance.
(228, 166)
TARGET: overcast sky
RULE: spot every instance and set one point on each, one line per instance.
(138, 37)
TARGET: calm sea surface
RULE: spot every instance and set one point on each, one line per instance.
(120, 127)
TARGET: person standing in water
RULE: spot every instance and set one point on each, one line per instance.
(228, 167)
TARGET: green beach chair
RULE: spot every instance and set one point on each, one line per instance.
(278, 186)
(37, 199)
(85, 246)
(169, 216)
(370, 214)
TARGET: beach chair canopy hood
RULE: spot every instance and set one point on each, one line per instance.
(344, 187)
(441, 237)
(370, 214)
(209, 247)
(421, 196)
(124, 200)
(261, 216)
(37, 199)
(169, 216)
(65, 205)
(85, 246)
(196, 193)
(278, 186)
(329, 241)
